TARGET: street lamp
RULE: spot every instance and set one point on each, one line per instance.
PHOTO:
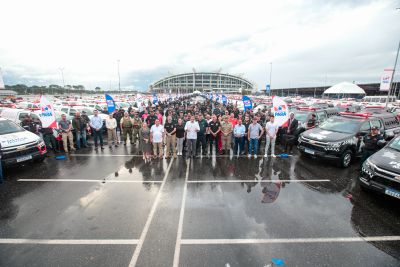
(62, 76)
(119, 77)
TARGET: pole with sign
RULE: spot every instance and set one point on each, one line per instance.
(391, 78)
(110, 104)
(268, 89)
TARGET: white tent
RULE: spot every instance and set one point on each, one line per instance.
(345, 88)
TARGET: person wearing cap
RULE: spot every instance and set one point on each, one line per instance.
(126, 126)
(371, 143)
(312, 122)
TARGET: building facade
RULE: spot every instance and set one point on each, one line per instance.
(203, 82)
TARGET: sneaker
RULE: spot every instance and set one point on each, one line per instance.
(249, 156)
(255, 156)
(266, 156)
(273, 155)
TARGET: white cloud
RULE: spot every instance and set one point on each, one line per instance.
(304, 39)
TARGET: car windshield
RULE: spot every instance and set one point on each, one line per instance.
(301, 116)
(341, 125)
(395, 144)
(7, 127)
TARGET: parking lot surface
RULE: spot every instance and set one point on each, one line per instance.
(111, 208)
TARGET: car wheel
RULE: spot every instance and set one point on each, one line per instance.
(346, 158)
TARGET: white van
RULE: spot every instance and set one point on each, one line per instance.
(17, 115)
(18, 145)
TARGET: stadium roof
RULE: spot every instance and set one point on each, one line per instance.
(345, 88)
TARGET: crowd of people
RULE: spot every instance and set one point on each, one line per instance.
(181, 128)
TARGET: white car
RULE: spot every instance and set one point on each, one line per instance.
(18, 145)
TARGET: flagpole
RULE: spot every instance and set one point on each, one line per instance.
(391, 79)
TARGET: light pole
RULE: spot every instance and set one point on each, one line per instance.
(394, 72)
(270, 78)
(119, 77)
(62, 76)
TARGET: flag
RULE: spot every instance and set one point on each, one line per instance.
(248, 104)
(386, 79)
(280, 110)
(224, 99)
(47, 116)
(155, 99)
(110, 103)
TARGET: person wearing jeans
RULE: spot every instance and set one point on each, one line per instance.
(180, 136)
(96, 123)
(271, 130)
(238, 133)
(191, 128)
(79, 124)
(253, 136)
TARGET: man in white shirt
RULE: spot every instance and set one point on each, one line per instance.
(191, 128)
(271, 130)
(111, 125)
(156, 138)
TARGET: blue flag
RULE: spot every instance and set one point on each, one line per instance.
(224, 99)
(110, 103)
(268, 89)
(155, 98)
(211, 96)
(247, 103)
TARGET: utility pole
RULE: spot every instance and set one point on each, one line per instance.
(62, 76)
(270, 79)
(394, 72)
(119, 77)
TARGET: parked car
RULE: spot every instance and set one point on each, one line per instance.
(19, 145)
(339, 137)
(381, 171)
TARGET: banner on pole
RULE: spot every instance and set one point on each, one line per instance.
(268, 88)
(386, 79)
(110, 103)
(280, 111)
(224, 100)
(247, 103)
(155, 99)
(47, 116)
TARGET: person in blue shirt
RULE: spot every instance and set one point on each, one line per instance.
(96, 123)
(239, 133)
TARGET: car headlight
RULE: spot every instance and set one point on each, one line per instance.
(369, 168)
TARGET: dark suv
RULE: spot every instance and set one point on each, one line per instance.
(303, 114)
(339, 137)
(381, 171)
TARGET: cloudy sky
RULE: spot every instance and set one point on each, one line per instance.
(309, 42)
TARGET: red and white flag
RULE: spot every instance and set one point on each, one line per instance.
(47, 116)
(280, 110)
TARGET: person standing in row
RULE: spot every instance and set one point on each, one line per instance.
(127, 126)
(79, 124)
(239, 134)
(201, 135)
(215, 129)
(157, 137)
(96, 123)
(111, 125)
(136, 124)
(170, 137)
(180, 136)
(271, 129)
(65, 126)
(253, 136)
(144, 139)
(191, 128)
(226, 129)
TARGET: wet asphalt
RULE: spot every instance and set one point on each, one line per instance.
(115, 191)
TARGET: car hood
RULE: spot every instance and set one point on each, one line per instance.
(387, 159)
(16, 139)
(318, 134)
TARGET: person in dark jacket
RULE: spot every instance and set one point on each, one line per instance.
(371, 143)
(291, 133)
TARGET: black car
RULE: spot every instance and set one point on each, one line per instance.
(339, 137)
(381, 171)
(303, 114)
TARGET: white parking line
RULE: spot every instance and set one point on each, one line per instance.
(136, 155)
(180, 224)
(139, 246)
(288, 240)
(86, 181)
(69, 241)
(251, 181)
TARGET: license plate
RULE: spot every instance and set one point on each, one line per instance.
(24, 158)
(309, 151)
(392, 193)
